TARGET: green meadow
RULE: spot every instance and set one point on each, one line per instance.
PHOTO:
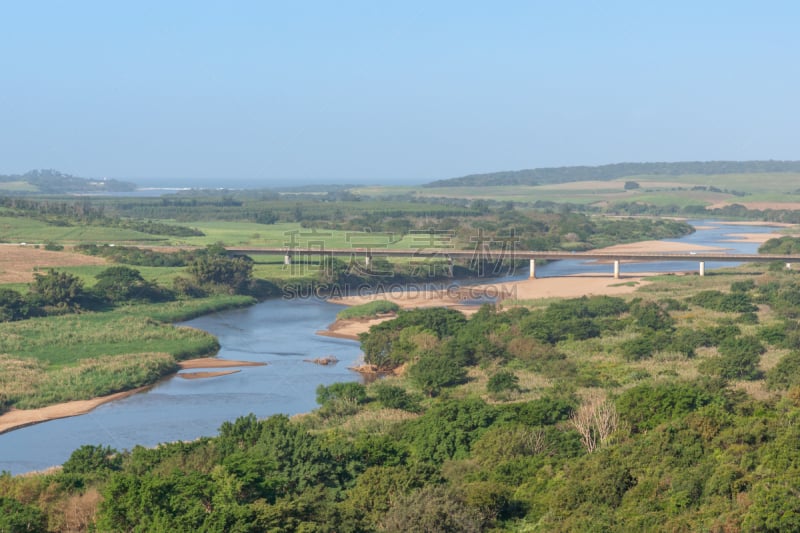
(23, 229)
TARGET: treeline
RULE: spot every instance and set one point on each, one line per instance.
(662, 452)
(328, 210)
(210, 271)
(433, 223)
(781, 245)
(65, 214)
(543, 176)
(729, 212)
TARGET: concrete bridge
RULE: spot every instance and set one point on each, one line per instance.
(614, 258)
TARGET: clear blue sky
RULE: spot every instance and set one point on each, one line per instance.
(271, 92)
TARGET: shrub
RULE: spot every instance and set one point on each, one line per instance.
(645, 406)
(394, 397)
(434, 372)
(90, 459)
(739, 357)
(716, 334)
(349, 391)
(737, 301)
(432, 508)
(786, 373)
(637, 348)
(16, 516)
(650, 315)
(503, 381)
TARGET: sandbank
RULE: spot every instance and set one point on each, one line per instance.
(18, 418)
(757, 238)
(530, 289)
(203, 375)
(453, 297)
(213, 362)
(350, 328)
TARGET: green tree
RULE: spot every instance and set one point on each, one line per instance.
(502, 381)
(122, 283)
(234, 274)
(13, 306)
(434, 372)
(57, 289)
(89, 459)
(16, 517)
(776, 507)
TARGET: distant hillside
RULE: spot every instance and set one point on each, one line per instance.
(543, 176)
(54, 182)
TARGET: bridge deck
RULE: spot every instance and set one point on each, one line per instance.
(518, 254)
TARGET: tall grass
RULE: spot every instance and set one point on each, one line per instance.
(59, 358)
(181, 310)
(89, 379)
(368, 310)
(65, 340)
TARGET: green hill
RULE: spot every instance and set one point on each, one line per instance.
(54, 182)
(544, 176)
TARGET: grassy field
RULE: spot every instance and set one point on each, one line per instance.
(17, 186)
(656, 189)
(293, 234)
(65, 340)
(161, 275)
(80, 356)
(22, 229)
(777, 182)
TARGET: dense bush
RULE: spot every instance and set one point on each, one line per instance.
(17, 517)
(739, 357)
(645, 406)
(502, 381)
(786, 373)
(347, 391)
(394, 397)
(737, 301)
(90, 459)
(433, 372)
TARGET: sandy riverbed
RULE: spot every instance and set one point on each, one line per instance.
(530, 289)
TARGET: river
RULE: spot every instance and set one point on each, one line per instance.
(281, 333)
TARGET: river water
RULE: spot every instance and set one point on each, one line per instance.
(281, 333)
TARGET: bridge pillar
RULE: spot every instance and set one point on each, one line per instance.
(788, 266)
(702, 268)
(450, 265)
(532, 275)
(287, 259)
(616, 268)
(367, 260)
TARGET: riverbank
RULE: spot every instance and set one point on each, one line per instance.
(573, 286)
(542, 288)
(19, 418)
(530, 289)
